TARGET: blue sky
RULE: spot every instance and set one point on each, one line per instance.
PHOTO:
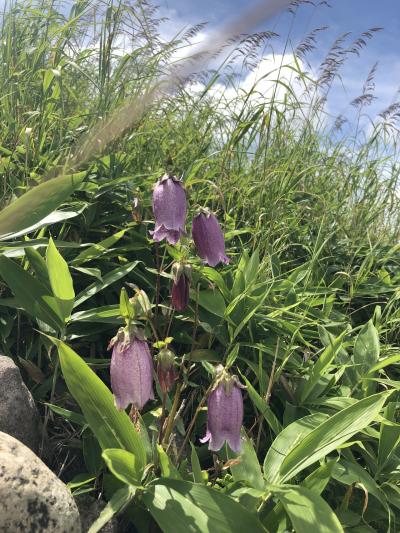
(355, 16)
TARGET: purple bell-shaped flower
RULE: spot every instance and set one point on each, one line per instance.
(131, 369)
(169, 209)
(180, 286)
(208, 238)
(225, 413)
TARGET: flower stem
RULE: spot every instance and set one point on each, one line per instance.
(171, 416)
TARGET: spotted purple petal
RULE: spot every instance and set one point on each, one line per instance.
(208, 238)
(131, 373)
(224, 417)
(169, 209)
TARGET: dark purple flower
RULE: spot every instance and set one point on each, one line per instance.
(208, 238)
(180, 286)
(166, 372)
(225, 414)
(180, 293)
(131, 369)
(169, 208)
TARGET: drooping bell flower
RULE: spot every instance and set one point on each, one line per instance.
(166, 372)
(225, 413)
(180, 286)
(208, 238)
(169, 209)
(131, 369)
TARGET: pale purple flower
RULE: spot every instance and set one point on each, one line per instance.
(169, 209)
(224, 415)
(208, 238)
(131, 370)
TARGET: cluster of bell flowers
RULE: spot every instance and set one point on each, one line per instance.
(131, 362)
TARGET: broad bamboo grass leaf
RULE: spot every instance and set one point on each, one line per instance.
(36, 204)
(60, 279)
(31, 294)
(366, 354)
(285, 442)
(349, 472)
(248, 468)
(168, 469)
(331, 434)
(315, 482)
(196, 467)
(263, 407)
(179, 506)
(321, 366)
(96, 250)
(123, 465)
(53, 218)
(389, 438)
(112, 428)
(307, 509)
(107, 280)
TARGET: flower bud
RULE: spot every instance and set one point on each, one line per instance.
(166, 372)
(225, 413)
(208, 238)
(169, 209)
(180, 286)
(131, 369)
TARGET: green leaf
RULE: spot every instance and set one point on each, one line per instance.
(168, 470)
(307, 510)
(202, 354)
(108, 279)
(39, 266)
(31, 295)
(126, 308)
(112, 428)
(97, 250)
(75, 418)
(248, 468)
(366, 354)
(196, 467)
(252, 267)
(389, 437)
(286, 441)
(182, 506)
(350, 472)
(316, 482)
(119, 500)
(331, 434)
(263, 407)
(37, 203)
(215, 276)
(212, 301)
(123, 465)
(60, 279)
(53, 218)
(321, 366)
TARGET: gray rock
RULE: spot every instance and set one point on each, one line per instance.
(18, 414)
(90, 509)
(32, 498)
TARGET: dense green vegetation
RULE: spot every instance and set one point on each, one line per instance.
(305, 314)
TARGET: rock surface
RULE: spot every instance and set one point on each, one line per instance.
(18, 414)
(32, 498)
(90, 509)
